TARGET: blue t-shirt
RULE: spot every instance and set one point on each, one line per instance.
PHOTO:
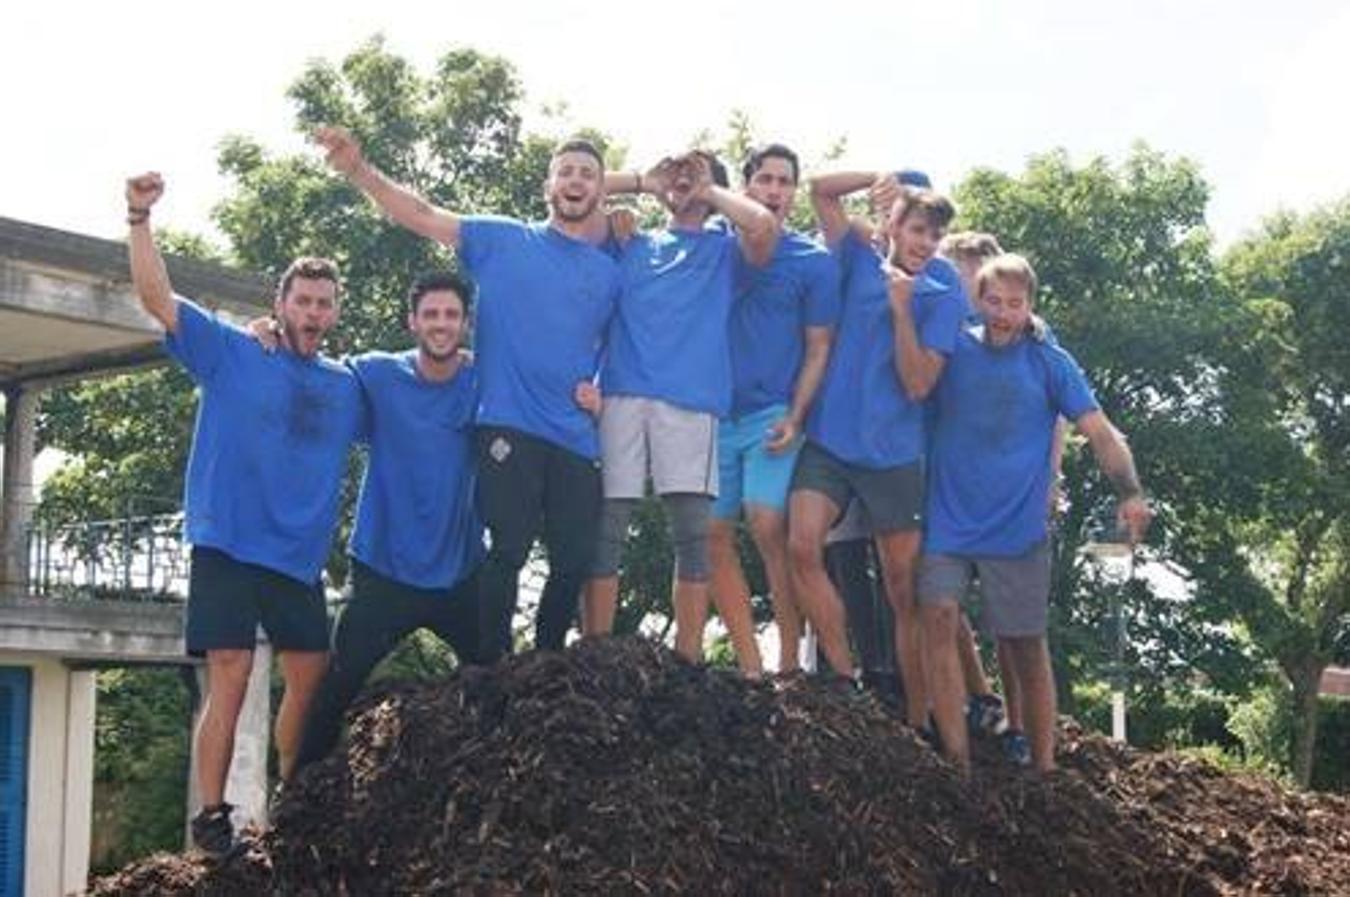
(994, 423)
(773, 307)
(415, 521)
(270, 448)
(669, 338)
(544, 302)
(862, 414)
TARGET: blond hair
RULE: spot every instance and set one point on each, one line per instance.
(1007, 266)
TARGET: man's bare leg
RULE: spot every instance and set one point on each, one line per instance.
(968, 650)
(1036, 682)
(899, 553)
(227, 673)
(810, 515)
(691, 616)
(301, 671)
(599, 603)
(945, 678)
(731, 595)
(768, 527)
(1012, 689)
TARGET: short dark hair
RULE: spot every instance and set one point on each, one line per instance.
(308, 267)
(770, 151)
(935, 208)
(581, 145)
(439, 281)
(719, 170)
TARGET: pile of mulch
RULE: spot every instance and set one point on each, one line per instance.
(614, 768)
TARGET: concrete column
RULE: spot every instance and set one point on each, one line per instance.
(79, 809)
(246, 786)
(60, 779)
(16, 488)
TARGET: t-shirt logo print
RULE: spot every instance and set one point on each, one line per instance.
(500, 449)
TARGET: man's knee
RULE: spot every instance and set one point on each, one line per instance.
(806, 549)
(769, 531)
(940, 620)
(689, 515)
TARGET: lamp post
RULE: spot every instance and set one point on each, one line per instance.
(1113, 551)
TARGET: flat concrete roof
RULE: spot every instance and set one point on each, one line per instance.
(67, 308)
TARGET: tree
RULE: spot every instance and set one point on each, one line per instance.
(1284, 558)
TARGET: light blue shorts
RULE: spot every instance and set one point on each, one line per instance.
(747, 473)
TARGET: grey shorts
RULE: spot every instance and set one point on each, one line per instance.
(891, 497)
(641, 436)
(1015, 590)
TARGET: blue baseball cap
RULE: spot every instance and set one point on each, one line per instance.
(912, 177)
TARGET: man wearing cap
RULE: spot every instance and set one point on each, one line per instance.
(865, 434)
(667, 374)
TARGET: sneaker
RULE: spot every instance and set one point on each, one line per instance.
(212, 831)
(1016, 748)
(984, 714)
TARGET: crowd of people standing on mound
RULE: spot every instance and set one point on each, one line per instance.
(879, 401)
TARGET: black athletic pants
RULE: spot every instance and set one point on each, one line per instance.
(382, 613)
(528, 488)
(853, 568)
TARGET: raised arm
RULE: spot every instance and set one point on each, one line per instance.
(827, 199)
(917, 366)
(148, 274)
(756, 228)
(1117, 462)
(405, 207)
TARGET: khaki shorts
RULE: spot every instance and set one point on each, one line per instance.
(640, 436)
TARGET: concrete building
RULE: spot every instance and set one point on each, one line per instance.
(67, 312)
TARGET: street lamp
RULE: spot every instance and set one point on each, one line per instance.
(1111, 548)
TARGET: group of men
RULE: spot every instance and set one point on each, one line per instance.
(727, 363)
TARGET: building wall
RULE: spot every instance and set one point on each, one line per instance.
(60, 776)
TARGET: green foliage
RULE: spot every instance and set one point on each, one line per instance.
(1263, 725)
(1331, 768)
(1159, 720)
(141, 750)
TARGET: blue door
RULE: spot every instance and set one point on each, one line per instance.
(16, 685)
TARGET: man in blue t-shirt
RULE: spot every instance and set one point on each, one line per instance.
(994, 424)
(418, 540)
(782, 322)
(263, 480)
(865, 435)
(545, 298)
(667, 374)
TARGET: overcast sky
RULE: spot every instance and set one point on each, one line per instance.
(1254, 92)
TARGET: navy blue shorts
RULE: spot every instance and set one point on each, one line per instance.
(228, 599)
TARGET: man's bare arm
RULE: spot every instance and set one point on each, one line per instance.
(756, 228)
(917, 366)
(148, 274)
(827, 199)
(401, 204)
(814, 362)
(1117, 462)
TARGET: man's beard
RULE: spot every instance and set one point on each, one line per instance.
(588, 207)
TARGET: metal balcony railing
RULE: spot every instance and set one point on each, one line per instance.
(128, 559)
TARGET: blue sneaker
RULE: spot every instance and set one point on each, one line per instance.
(1016, 748)
(984, 714)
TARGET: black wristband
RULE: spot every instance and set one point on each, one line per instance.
(137, 216)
